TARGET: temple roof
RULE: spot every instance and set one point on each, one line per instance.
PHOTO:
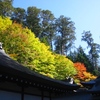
(96, 86)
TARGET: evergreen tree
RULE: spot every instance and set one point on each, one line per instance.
(33, 19)
(94, 48)
(82, 57)
(6, 7)
(65, 35)
(19, 15)
(48, 27)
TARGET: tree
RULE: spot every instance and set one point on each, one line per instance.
(82, 74)
(22, 45)
(47, 26)
(94, 48)
(65, 35)
(33, 19)
(4, 23)
(19, 15)
(73, 56)
(81, 69)
(6, 7)
(64, 67)
(81, 56)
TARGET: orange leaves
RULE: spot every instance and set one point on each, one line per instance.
(80, 67)
(82, 73)
(88, 76)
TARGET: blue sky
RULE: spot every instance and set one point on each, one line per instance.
(84, 13)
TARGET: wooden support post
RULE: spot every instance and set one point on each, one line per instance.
(49, 95)
(22, 93)
(42, 95)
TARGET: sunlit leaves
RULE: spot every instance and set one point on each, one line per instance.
(82, 74)
(20, 43)
(64, 67)
(4, 23)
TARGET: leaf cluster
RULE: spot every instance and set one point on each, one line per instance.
(82, 74)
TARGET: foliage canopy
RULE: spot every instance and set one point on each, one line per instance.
(22, 45)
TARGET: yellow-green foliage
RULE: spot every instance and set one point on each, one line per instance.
(4, 23)
(20, 43)
(64, 67)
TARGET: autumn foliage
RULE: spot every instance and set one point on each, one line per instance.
(82, 73)
(64, 67)
(21, 45)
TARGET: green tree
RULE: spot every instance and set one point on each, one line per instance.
(72, 55)
(6, 7)
(65, 34)
(47, 26)
(82, 57)
(94, 48)
(64, 67)
(33, 19)
(19, 15)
